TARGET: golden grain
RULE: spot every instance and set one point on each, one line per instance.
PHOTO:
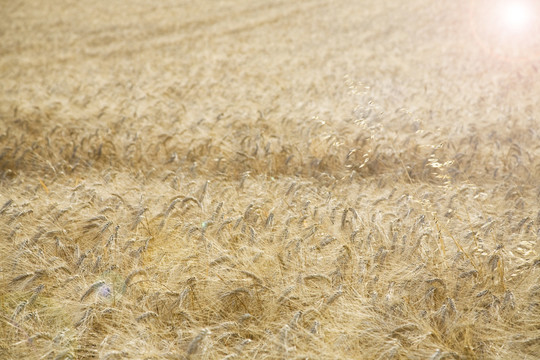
(92, 289)
(248, 186)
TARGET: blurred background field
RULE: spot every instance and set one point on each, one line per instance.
(268, 179)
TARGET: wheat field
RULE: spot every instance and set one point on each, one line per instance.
(269, 179)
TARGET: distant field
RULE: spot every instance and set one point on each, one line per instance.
(267, 180)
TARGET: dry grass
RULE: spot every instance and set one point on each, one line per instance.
(264, 180)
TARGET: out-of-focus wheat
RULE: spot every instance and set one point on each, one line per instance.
(264, 180)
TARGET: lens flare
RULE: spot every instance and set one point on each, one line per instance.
(507, 29)
(516, 16)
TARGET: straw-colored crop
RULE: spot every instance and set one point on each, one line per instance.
(266, 180)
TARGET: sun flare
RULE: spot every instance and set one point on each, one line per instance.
(507, 29)
(516, 16)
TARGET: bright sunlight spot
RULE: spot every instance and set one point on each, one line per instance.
(507, 29)
(516, 15)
